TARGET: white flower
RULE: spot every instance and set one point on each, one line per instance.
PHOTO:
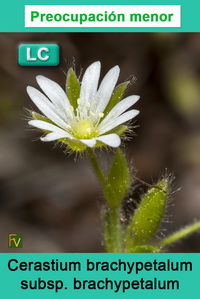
(85, 124)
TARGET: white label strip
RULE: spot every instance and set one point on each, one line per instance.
(102, 16)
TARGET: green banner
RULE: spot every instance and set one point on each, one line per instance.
(13, 16)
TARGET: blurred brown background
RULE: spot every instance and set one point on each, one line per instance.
(56, 202)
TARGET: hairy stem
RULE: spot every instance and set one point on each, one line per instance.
(96, 167)
(113, 231)
(186, 231)
(112, 227)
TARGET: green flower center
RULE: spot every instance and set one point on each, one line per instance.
(85, 129)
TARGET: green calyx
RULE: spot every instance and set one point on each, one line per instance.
(38, 116)
(74, 144)
(148, 216)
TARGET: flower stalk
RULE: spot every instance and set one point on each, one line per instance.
(179, 235)
(96, 167)
(113, 233)
(112, 227)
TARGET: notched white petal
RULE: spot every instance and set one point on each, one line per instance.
(106, 88)
(53, 136)
(120, 108)
(37, 96)
(43, 125)
(112, 140)
(90, 82)
(54, 92)
(89, 142)
(118, 121)
(45, 106)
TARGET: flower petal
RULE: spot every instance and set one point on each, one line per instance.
(118, 121)
(54, 92)
(90, 82)
(43, 125)
(45, 106)
(89, 142)
(120, 108)
(110, 139)
(106, 88)
(52, 136)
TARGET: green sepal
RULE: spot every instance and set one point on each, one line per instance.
(148, 216)
(72, 88)
(116, 97)
(37, 116)
(119, 130)
(99, 144)
(118, 180)
(73, 144)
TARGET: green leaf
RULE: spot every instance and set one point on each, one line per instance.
(148, 216)
(72, 88)
(116, 97)
(118, 180)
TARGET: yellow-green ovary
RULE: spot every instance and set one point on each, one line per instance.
(85, 129)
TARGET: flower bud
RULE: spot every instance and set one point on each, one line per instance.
(149, 214)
